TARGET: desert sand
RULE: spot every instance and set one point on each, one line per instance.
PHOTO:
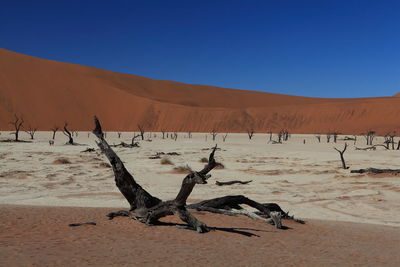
(48, 93)
(352, 219)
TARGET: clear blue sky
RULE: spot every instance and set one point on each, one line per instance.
(313, 48)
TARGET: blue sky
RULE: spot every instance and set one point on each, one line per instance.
(311, 48)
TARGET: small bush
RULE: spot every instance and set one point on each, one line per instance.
(104, 165)
(204, 160)
(219, 166)
(166, 161)
(183, 169)
(62, 161)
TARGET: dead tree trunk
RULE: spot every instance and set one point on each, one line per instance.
(214, 134)
(18, 124)
(31, 131)
(250, 133)
(318, 136)
(133, 143)
(141, 129)
(224, 137)
(163, 134)
(119, 135)
(341, 155)
(68, 134)
(54, 130)
(149, 209)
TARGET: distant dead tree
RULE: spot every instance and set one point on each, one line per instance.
(389, 140)
(67, 133)
(369, 137)
(341, 152)
(163, 134)
(175, 136)
(54, 130)
(18, 124)
(270, 135)
(190, 135)
(224, 137)
(318, 136)
(328, 137)
(119, 135)
(250, 133)
(214, 134)
(31, 131)
(88, 135)
(141, 129)
(133, 143)
(335, 135)
(285, 135)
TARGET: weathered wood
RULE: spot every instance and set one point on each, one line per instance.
(67, 133)
(232, 182)
(149, 209)
(80, 224)
(376, 171)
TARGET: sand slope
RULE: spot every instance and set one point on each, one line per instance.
(48, 93)
(40, 236)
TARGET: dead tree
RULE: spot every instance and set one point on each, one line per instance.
(189, 135)
(149, 209)
(224, 137)
(214, 134)
(119, 135)
(250, 133)
(328, 137)
(175, 136)
(18, 124)
(389, 140)
(141, 129)
(318, 136)
(341, 152)
(335, 135)
(280, 137)
(31, 131)
(369, 137)
(54, 130)
(133, 143)
(270, 135)
(163, 134)
(67, 133)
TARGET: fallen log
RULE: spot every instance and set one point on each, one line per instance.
(376, 171)
(232, 182)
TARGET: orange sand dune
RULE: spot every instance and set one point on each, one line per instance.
(48, 93)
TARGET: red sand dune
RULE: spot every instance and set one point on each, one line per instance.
(48, 93)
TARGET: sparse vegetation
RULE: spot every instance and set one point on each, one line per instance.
(62, 161)
(183, 169)
(166, 161)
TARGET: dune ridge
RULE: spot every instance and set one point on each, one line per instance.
(48, 93)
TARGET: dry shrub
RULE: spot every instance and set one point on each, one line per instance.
(219, 166)
(166, 161)
(62, 161)
(183, 169)
(104, 165)
(204, 160)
